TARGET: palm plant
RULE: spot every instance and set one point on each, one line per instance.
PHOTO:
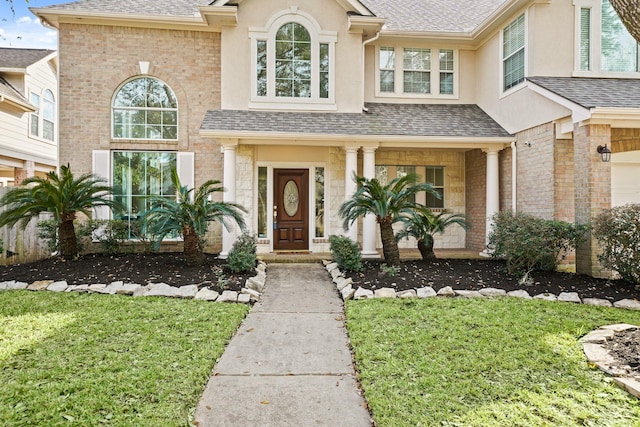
(189, 216)
(388, 203)
(423, 224)
(61, 195)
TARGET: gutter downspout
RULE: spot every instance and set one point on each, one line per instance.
(364, 45)
(514, 178)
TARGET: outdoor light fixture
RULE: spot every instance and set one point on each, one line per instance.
(605, 153)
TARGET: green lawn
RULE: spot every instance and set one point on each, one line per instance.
(94, 360)
(502, 362)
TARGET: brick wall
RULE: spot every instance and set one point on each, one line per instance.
(625, 140)
(506, 181)
(592, 190)
(564, 181)
(96, 60)
(475, 197)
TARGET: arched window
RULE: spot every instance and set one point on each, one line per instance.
(293, 62)
(145, 108)
(48, 115)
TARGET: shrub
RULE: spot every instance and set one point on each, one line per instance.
(48, 231)
(618, 232)
(529, 243)
(242, 256)
(346, 253)
(111, 234)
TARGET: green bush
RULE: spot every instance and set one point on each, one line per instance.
(48, 231)
(529, 243)
(618, 232)
(242, 256)
(112, 234)
(346, 253)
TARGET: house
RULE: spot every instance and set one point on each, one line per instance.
(500, 104)
(28, 114)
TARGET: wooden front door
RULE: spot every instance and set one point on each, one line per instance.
(291, 209)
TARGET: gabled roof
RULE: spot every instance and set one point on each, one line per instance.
(135, 7)
(12, 58)
(593, 92)
(381, 121)
(434, 15)
(13, 96)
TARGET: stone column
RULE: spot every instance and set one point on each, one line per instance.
(369, 225)
(592, 191)
(20, 174)
(492, 190)
(350, 186)
(229, 149)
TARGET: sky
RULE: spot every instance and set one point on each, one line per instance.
(23, 29)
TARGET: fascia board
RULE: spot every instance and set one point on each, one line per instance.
(578, 112)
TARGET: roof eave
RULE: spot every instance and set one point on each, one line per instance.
(17, 103)
(367, 25)
(13, 70)
(616, 117)
(579, 112)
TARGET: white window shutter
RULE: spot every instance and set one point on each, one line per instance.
(102, 169)
(186, 168)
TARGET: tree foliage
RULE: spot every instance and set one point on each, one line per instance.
(61, 195)
(629, 12)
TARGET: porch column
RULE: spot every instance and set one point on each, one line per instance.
(229, 149)
(369, 223)
(493, 189)
(27, 171)
(350, 186)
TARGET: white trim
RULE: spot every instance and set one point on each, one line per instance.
(578, 113)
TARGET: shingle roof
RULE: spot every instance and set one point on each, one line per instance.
(426, 120)
(21, 58)
(137, 7)
(433, 15)
(593, 92)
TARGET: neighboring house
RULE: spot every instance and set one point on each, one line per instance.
(499, 104)
(28, 114)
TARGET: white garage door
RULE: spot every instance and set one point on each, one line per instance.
(625, 178)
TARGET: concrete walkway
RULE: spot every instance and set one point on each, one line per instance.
(289, 363)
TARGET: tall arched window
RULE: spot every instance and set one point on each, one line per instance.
(293, 61)
(145, 108)
(48, 115)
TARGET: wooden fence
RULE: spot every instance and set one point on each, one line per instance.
(20, 245)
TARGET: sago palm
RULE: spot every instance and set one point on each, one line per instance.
(423, 224)
(63, 196)
(388, 203)
(189, 216)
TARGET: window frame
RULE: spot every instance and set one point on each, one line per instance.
(595, 44)
(318, 72)
(51, 103)
(399, 91)
(525, 49)
(36, 114)
(146, 109)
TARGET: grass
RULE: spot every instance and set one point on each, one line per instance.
(501, 362)
(89, 360)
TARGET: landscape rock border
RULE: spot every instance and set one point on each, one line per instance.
(252, 291)
(346, 290)
(598, 355)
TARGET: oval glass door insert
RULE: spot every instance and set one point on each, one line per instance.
(291, 198)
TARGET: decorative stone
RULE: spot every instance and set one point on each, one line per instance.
(161, 290)
(409, 293)
(12, 285)
(228, 296)
(347, 293)
(244, 298)
(385, 293)
(60, 286)
(255, 283)
(97, 287)
(336, 273)
(325, 262)
(188, 291)
(468, 294)
(629, 304)
(206, 294)
(447, 291)
(546, 297)
(331, 266)
(39, 285)
(596, 353)
(253, 294)
(261, 267)
(362, 293)
(598, 336)
(630, 384)
(426, 292)
(520, 293)
(493, 292)
(619, 327)
(569, 297)
(127, 288)
(598, 302)
(342, 282)
(141, 291)
(78, 288)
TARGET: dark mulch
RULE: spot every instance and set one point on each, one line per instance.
(169, 268)
(475, 274)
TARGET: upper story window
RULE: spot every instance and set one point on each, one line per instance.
(423, 72)
(604, 44)
(42, 121)
(145, 108)
(513, 53)
(293, 62)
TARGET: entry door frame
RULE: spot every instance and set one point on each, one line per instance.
(312, 196)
